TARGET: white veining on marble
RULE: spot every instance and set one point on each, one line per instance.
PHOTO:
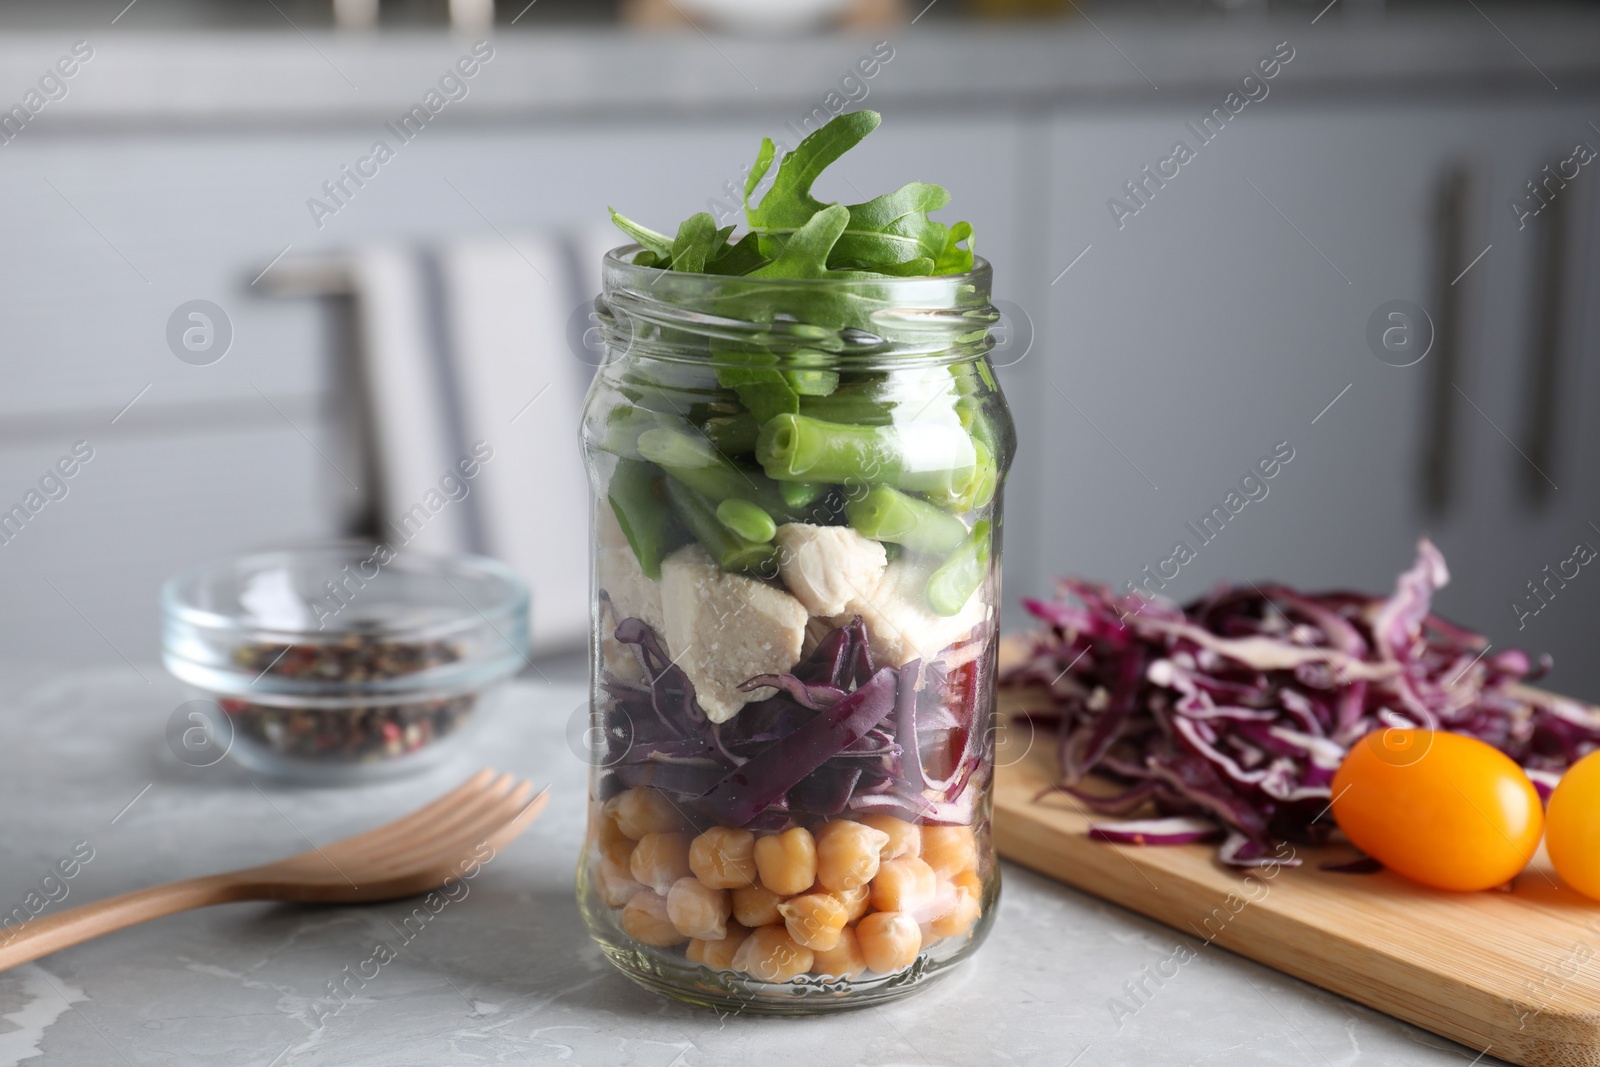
(41, 1005)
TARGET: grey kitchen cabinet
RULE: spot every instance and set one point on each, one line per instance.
(1175, 353)
(1527, 469)
(1232, 309)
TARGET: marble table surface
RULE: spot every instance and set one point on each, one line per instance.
(506, 974)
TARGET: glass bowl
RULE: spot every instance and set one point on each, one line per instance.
(343, 661)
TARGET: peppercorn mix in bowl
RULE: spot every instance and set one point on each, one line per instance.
(344, 661)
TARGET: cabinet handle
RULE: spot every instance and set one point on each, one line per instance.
(1548, 299)
(1438, 419)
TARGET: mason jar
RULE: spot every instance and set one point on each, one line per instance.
(796, 526)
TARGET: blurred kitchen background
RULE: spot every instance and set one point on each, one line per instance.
(1437, 154)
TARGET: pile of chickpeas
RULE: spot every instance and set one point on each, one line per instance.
(844, 898)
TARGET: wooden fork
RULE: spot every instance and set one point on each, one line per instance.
(451, 837)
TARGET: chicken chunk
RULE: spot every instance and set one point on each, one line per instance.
(723, 629)
(900, 625)
(825, 566)
(632, 595)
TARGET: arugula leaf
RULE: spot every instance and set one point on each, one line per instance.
(892, 234)
(758, 170)
(696, 240)
(794, 235)
(788, 204)
(741, 257)
(754, 375)
(659, 243)
(804, 253)
(954, 260)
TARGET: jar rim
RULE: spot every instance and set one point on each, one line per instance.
(180, 599)
(835, 321)
(979, 277)
(205, 617)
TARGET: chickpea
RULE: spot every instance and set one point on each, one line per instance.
(969, 880)
(905, 838)
(756, 905)
(770, 955)
(698, 911)
(847, 854)
(957, 921)
(949, 850)
(613, 876)
(658, 860)
(724, 858)
(644, 811)
(787, 862)
(855, 901)
(644, 918)
(814, 920)
(618, 851)
(718, 955)
(603, 828)
(843, 960)
(906, 884)
(890, 940)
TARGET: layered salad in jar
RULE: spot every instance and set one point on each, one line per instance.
(796, 572)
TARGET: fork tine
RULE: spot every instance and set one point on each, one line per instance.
(446, 823)
(404, 826)
(467, 833)
(521, 821)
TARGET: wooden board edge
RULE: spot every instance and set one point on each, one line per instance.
(1311, 953)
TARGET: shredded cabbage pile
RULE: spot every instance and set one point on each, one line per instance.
(1237, 709)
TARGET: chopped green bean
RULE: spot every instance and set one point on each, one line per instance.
(850, 406)
(695, 461)
(746, 520)
(978, 490)
(732, 552)
(886, 514)
(953, 583)
(733, 434)
(811, 382)
(638, 500)
(801, 494)
(934, 457)
(623, 426)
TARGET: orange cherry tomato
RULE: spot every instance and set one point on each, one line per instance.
(1572, 826)
(1443, 809)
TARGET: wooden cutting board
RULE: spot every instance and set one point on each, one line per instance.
(1514, 973)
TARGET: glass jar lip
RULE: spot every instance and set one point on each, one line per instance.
(862, 323)
(980, 276)
(205, 619)
(178, 600)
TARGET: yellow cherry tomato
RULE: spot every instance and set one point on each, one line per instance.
(1572, 826)
(1443, 809)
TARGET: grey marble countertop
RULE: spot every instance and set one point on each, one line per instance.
(506, 974)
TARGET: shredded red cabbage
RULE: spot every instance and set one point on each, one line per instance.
(1239, 707)
(1172, 830)
(838, 734)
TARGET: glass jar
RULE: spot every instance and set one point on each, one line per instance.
(796, 548)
